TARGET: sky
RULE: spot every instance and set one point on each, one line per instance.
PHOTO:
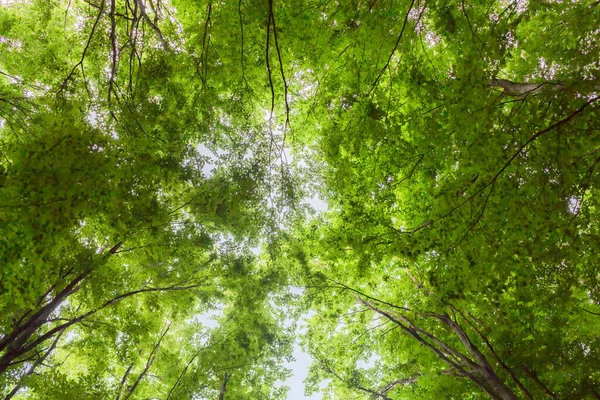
(302, 360)
(299, 366)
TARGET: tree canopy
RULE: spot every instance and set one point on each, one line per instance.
(157, 164)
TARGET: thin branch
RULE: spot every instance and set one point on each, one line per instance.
(85, 49)
(473, 34)
(21, 81)
(591, 312)
(242, 42)
(285, 85)
(412, 171)
(386, 388)
(123, 380)
(492, 182)
(342, 286)
(366, 331)
(584, 189)
(182, 374)
(154, 27)
(412, 3)
(268, 62)
(180, 377)
(16, 352)
(329, 370)
(113, 46)
(224, 386)
(67, 12)
(205, 44)
(149, 363)
(533, 375)
(32, 368)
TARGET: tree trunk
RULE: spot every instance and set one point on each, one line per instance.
(224, 386)
(477, 368)
(31, 369)
(14, 351)
(14, 341)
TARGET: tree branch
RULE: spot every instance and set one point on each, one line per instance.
(533, 375)
(412, 3)
(349, 383)
(149, 363)
(16, 352)
(523, 89)
(485, 382)
(31, 369)
(123, 380)
(285, 85)
(224, 386)
(242, 41)
(85, 49)
(154, 27)
(205, 44)
(113, 46)
(492, 182)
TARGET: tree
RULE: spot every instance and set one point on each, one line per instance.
(466, 156)
(154, 160)
(116, 237)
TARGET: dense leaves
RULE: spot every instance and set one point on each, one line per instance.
(157, 158)
(461, 255)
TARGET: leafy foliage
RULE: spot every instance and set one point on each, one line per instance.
(156, 157)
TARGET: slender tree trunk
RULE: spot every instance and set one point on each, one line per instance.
(17, 344)
(24, 330)
(14, 352)
(224, 386)
(473, 365)
(31, 369)
(149, 363)
(13, 342)
(486, 369)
